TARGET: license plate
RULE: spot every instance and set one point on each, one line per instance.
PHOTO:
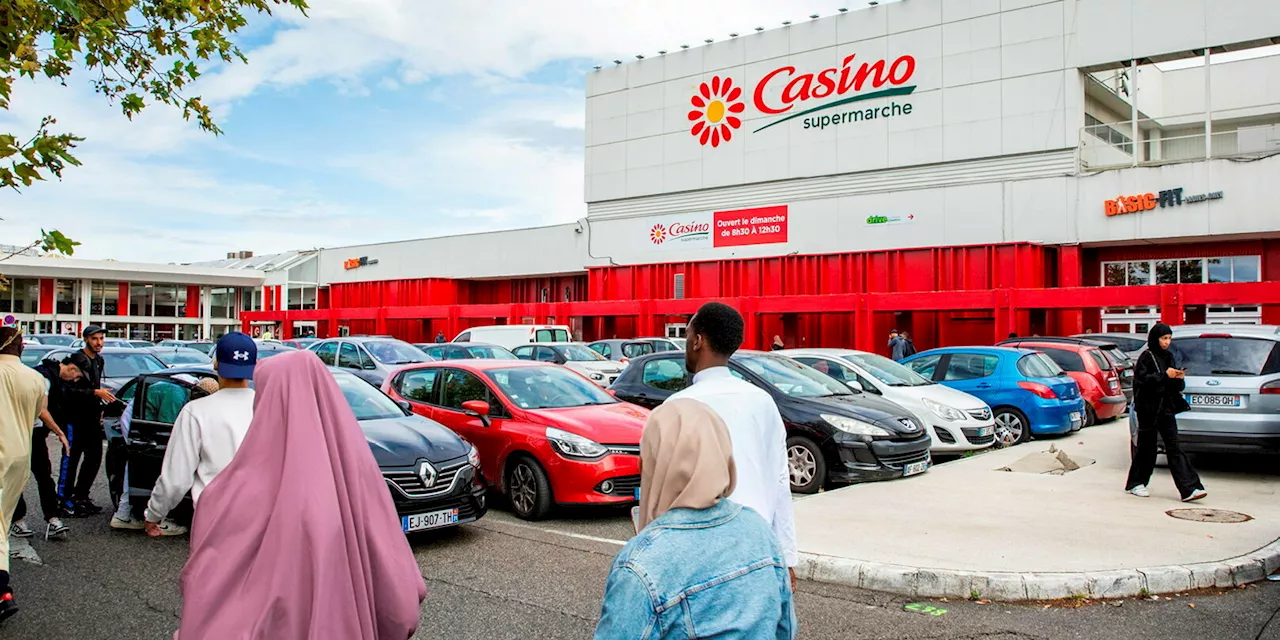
(422, 521)
(1075, 416)
(915, 468)
(1206, 400)
(985, 431)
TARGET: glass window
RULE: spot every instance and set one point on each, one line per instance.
(665, 374)
(490, 353)
(925, 366)
(327, 351)
(602, 348)
(1219, 269)
(128, 365)
(1038, 365)
(888, 371)
(1068, 360)
(792, 378)
(546, 354)
(547, 388)
(1191, 271)
(436, 353)
(1227, 356)
(26, 295)
(104, 299)
(348, 357)
(222, 303)
(1114, 274)
(837, 371)
(1167, 272)
(460, 387)
(166, 301)
(365, 361)
(636, 349)
(141, 299)
(1246, 269)
(395, 352)
(1139, 273)
(366, 401)
(578, 353)
(1102, 360)
(67, 297)
(524, 353)
(418, 385)
(164, 400)
(971, 366)
(550, 335)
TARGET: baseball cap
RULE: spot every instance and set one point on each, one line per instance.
(92, 330)
(236, 355)
(80, 361)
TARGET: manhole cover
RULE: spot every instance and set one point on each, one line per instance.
(1209, 515)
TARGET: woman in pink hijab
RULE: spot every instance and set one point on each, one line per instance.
(298, 539)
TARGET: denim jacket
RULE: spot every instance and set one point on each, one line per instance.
(705, 573)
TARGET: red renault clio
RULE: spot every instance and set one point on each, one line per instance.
(545, 434)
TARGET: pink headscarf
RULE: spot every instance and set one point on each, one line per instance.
(298, 537)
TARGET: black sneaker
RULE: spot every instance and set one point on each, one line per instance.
(7, 607)
(88, 508)
(73, 512)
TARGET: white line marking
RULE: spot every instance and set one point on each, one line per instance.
(580, 536)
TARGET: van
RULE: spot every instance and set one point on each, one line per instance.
(514, 335)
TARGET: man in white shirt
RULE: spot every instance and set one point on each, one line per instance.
(207, 433)
(755, 426)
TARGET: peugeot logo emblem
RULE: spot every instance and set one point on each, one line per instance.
(1213, 383)
(427, 473)
(908, 424)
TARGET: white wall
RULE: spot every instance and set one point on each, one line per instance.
(1111, 31)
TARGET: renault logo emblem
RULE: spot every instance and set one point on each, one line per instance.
(1213, 383)
(427, 473)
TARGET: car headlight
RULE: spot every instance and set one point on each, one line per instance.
(573, 445)
(473, 457)
(944, 412)
(855, 426)
(597, 376)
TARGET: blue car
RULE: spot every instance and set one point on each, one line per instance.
(1026, 390)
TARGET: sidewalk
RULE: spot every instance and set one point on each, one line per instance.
(966, 529)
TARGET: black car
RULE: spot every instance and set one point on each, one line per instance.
(834, 435)
(432, 474)
(121, 364)
(465, 351)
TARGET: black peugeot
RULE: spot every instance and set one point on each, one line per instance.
(835, 435)
(432, 474)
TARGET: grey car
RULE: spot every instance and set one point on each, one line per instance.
(622, 350)
(1233, 387)
(371, 358)
(1130, 343)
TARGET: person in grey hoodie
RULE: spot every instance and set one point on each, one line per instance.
(897, 345)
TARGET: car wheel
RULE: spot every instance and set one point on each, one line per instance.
(805, 465)
(1090, 416)
(528, 489)
(1011, 427)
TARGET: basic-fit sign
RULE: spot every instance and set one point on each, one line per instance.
(356, 263)
(711, 229)
(1149, 201)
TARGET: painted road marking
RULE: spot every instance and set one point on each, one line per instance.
(568, 534)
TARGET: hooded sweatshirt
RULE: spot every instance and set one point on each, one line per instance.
(1154, 392)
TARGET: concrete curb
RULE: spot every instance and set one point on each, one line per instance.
(1008, 586)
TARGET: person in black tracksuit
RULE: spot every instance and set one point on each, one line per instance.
(58, 375)
(84, 429)
(1157, 399)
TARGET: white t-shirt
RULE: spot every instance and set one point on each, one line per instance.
(205, 438)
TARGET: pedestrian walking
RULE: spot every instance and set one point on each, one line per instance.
(440, 337)
(299, 537)
(755, 426)
(21, 402)
(897, 345)
(57, 375)
(777, 345)
(695, 547)
(81, 461)
(1157, 399)
(910, 348)
(206, 436)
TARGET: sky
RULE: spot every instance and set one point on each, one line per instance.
(367, 121)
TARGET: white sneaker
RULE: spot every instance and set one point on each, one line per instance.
(171, 528)
(20, 529)
(55, 528)
(1196, 495)
(1140, 491)
(127, 524)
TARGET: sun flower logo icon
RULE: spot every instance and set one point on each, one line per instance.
(714, 107)
(658, 234)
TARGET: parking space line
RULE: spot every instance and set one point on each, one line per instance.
(569, 534)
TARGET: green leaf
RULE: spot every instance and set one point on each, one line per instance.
(55, 241)
(70, 7)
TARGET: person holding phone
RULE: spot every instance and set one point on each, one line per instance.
(1158, 384)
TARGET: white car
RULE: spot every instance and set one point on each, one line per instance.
(956, 421)
(574, 355)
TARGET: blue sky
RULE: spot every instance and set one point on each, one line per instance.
(371, 120)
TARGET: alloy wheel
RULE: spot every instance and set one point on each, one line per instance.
(801, 464)
(1008, 429)
(523, 488)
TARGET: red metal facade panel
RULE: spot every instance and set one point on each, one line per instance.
(193, 301)
(122, 306)
(47, 288)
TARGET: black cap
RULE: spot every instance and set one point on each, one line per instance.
(92, 330)
(80, 360)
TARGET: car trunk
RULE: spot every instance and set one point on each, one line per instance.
(1225, 378)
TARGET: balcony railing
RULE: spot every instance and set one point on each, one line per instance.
(1242, 134)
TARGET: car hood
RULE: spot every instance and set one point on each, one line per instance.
(867, 407)
(606, 366)
(400, 442)
(619, 423)
(943, 394)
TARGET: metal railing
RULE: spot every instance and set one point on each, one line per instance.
(1249, 133)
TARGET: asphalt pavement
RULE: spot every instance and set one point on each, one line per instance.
(504, 578)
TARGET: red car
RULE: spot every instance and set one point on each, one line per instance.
(545, 434)
(1092, 370)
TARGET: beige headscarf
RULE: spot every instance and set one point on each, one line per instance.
(686, 460)
(208, 385)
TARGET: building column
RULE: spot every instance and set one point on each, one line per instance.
(86, 299)
(206, 310)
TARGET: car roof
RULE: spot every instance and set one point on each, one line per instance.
(559, 344)
(478, 364)
(1053, 343)
(819, 351)
(980, 349)
(612, 341)
(1241, 330)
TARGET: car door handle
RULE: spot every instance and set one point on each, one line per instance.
(983, 386)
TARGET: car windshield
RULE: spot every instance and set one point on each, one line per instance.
(184, 356)
(1222, 356)
(491, 353)
(579, 353)
(128, 365)
(888, 371)
(1038, 365)
(203, 347)
(56, 340)
(367, 402)
(793, 378)
(547, 387)
(264, 353)
(33, 354)
(395, 352)
(679, 342)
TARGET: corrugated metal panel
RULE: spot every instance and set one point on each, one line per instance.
(1040, 165)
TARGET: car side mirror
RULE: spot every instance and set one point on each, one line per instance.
(854, 385)
(369, 366)
(477, 409)
(405, 406)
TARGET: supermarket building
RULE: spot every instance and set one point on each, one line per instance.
(959, 169)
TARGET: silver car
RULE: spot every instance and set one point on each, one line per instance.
(372, 358)
(1233, 387)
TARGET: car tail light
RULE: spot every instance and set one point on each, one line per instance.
(625, 361)
(1039, 389)
(1271, 388)
(1215, 335)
